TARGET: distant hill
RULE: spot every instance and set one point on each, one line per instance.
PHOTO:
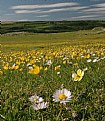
(49, 26)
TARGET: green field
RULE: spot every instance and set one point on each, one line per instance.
(32, 41)
(39, 64)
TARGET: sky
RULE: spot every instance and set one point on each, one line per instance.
(51, 10)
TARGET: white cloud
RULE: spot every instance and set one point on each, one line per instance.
(87, 16)
(65, 9)
(45, 6)
(95, 0)
(52, 10)
(42, 16)
(23, 20)
(9, 14)
(27, 11)
(99, 5)
(94, 9)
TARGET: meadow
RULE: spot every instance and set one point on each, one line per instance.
(52, 77)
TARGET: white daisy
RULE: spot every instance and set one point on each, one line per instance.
(36, 99)
(30, 67)
(62, 96)
(85, 69)
(96, 60)
(28, 64)
(102, 58)
(58, 73)
(48, 62)
(70, 63)
(89, 60)
(41, 105)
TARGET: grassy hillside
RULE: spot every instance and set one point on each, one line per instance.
(32, 41)
(49, 26)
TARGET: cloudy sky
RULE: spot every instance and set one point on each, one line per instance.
(43, 10)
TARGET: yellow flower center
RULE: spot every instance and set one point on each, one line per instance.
(35, 99)
(62, 96)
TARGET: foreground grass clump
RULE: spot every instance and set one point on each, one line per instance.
(74, 75)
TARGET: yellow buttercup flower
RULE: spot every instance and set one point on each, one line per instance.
(41, 67)
(32, 61)
(15, 67)
(57, 68)
(87, 56)
(1, 72)
(35, 70)
(22, 58)
(73, 55)
(20, 69)
(64, 62)
(5, 67)
(75, 64)
(18, 62)
(78, 76)
(45, 69)
(102, 53)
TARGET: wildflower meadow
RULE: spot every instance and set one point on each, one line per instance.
(52, 77)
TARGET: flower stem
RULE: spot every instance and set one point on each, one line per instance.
(59, 114)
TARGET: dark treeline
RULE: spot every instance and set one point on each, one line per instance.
(49, 26)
